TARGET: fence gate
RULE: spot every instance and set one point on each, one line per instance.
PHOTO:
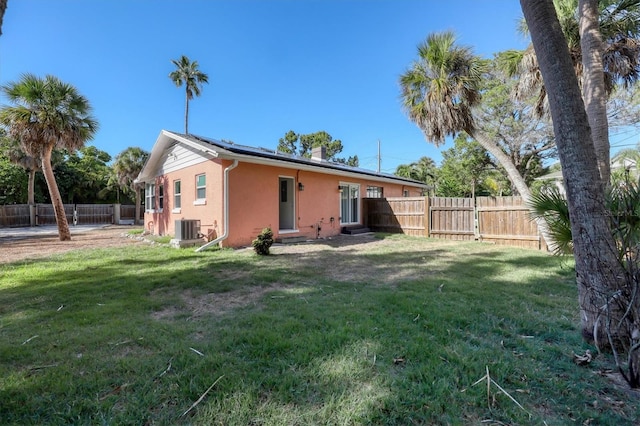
(46, 216)
(452, 218)
(94, 213)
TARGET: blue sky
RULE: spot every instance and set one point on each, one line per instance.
(273, 65)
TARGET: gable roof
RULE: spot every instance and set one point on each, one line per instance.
(214, 148)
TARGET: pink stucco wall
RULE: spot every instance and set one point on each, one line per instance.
(209, 213)
(254, 201)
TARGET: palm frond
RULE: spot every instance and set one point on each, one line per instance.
(441, 86)
(551, 207)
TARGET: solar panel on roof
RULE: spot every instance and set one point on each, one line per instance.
(268, 153)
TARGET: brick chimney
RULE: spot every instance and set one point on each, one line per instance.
(319, 153)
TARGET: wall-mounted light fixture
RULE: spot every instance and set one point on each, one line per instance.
(300, 186)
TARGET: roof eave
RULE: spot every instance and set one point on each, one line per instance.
(166, 138)
(317, 168)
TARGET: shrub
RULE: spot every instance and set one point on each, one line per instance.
(262, 243)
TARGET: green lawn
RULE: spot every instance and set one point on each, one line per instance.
(392, 331)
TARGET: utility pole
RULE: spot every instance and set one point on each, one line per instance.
(379, 158)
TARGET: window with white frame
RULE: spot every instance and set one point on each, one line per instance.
(150, 197)
(177, 195)
(160, 197)
(374, 192)
(201, 189)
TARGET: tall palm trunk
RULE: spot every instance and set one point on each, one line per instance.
(136, 189)
(597, 267)
(31, 197)
(593, 86)
(58, 207)
(505, 161)
(3, 8)
(186, 112)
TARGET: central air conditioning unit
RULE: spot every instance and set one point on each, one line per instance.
(187, 229)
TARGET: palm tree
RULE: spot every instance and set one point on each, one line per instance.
(603, 41)
(593, 83)
(440, 91)
(424, 170)
(619, 27)
(598, 271)
(48, 114)
(187, 73)
(127, 166)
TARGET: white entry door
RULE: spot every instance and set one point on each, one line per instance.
(287, 203)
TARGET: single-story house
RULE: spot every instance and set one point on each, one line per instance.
(235, 191)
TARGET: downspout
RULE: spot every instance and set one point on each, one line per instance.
(226, 209)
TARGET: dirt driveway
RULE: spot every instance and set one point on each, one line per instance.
(30, 244)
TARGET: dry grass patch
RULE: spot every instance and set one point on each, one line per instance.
(39, 246)
(367, 258)
(197, 305)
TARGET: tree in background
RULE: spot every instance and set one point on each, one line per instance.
(464, 169)
(47, 114)
(289, 143)
(82, 175)
(440, 91)
(13, 182)
(12, 151)
(187, 73)
(512, 124)
(127, 166)
(112, 189)
(352, 161)
(623, 109)
(301, 145)
(424, 170)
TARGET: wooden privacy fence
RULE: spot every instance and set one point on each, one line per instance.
(450, 218)
(15, 215)
(506, 220)
(404, 215)
(499, 220)
(81, 214)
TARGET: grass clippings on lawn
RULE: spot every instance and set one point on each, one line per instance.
(353, 330)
